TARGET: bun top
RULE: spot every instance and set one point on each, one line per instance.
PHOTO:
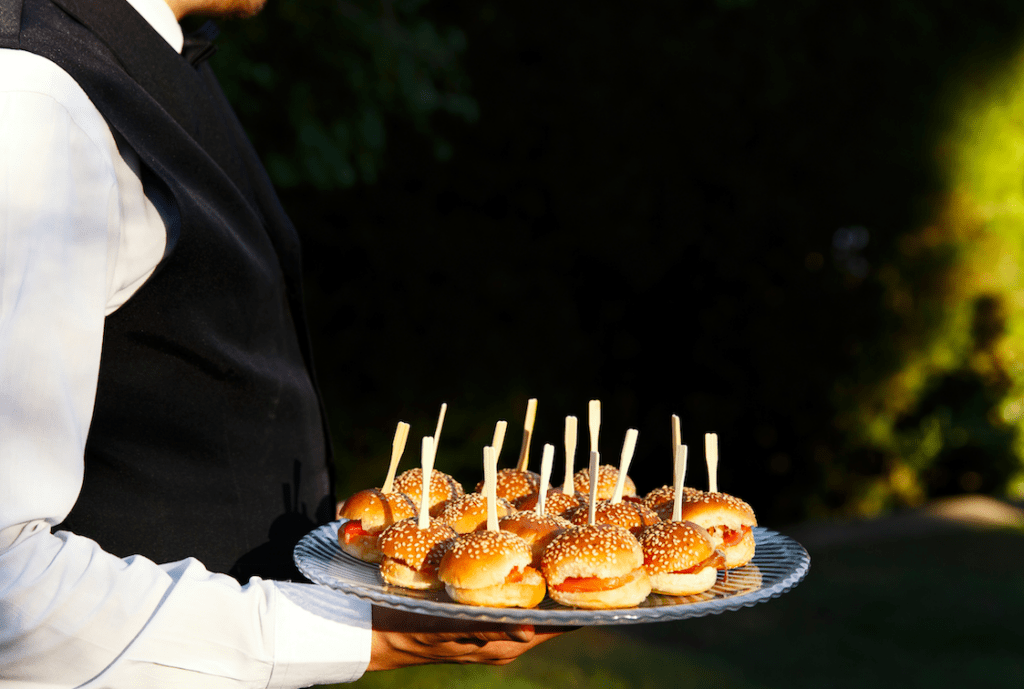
(674, 546)
(659, 496)
(513, 484)
(482, 558)
(406, 542)
(469, 512)
(627, 514)
(532, 527)
(376, 509)
(661, 499)
(555, 502)
(607, 477)
(714, 509)
(442, 486)
(602, 550)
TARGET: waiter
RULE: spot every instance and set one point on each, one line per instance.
(160, 427)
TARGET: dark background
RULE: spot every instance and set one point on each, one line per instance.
(675, 208)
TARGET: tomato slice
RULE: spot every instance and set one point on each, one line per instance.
(588, 584)
(353, 530)
(731, 538)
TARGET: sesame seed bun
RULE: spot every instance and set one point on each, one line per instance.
(469, 512)
(477, 565)
(670, 547)
(602, 550)
(661, 500)
(607, 477)
(513, 484)
(442, 488)
(374, 511)
(633, 516)
(717, 508)
(411, 555)
(536, 530)
(713, 511)
(377, 510)
(555, 502)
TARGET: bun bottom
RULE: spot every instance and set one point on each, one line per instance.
(741, 553)
(399, 574)
(527, 593)
(629, 595)
(673, 584)
(363, 547)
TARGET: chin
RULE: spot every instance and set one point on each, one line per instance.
(221, 9)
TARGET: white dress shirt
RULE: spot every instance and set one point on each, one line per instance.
(77, 238)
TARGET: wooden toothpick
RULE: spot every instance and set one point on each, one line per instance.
(628, 447)
(440, 422)
(595, 463)
(499, 438)
(524, 451)
(545, 475)
(711, 452)
(677, 434)
(491, 488)
(594, 419)
(570, 454)
(427, 464)
(677, 484)
(397, 449)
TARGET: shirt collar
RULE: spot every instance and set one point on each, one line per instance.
(159, 15)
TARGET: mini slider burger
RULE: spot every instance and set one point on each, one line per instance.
(608, 476)
(679, 556)
(633, 516)
(537, 527)
(596, 566)
(442, 486)
(491, 567)
(516, 484)
(469, 512)
(662, 500)
(412, 548)
(371, 511)
(559, 501)
(727, 519)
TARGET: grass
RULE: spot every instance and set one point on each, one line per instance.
(942, 610)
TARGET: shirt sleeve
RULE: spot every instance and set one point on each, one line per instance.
(73, 614)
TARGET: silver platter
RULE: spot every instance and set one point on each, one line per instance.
(779, 564)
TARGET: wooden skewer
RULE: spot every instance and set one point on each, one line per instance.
(524, 451)
(711, 452)
(628, 447)
(594, 419)
(499, 438)
(491, 488)
(677, 484)
(595, 463)
(427, 463)
(570, 454)
(397, 448)
(677, 434)
(440, 422)
(545, 475)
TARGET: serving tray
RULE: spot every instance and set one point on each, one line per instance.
(779, 564)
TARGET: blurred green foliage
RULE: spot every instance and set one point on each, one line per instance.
(315, 81)
(795, 224)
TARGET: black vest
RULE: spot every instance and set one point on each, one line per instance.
(207, 438)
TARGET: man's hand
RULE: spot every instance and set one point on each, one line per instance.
(401, 639)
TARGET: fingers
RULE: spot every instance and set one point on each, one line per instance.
(402, 638)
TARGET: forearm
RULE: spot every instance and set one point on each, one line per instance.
(74, 614)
